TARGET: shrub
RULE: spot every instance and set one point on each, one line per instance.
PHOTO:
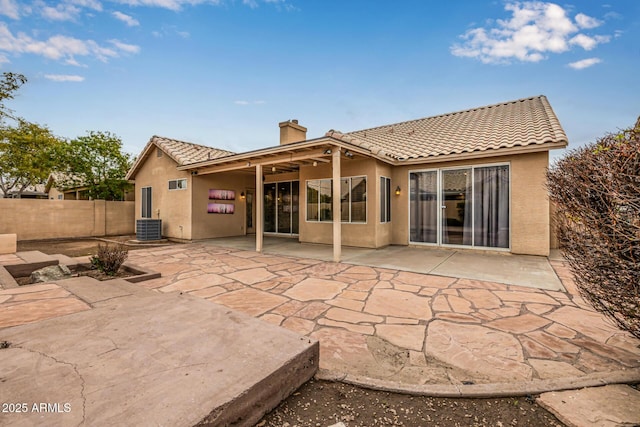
(596, 189)
(110, 258)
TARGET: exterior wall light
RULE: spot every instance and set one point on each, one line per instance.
(348, 154)
(398, 190)
(242, 195)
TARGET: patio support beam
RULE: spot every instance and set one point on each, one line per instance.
(259, 207)
(337, 222)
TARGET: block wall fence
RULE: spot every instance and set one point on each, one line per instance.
(32, 219)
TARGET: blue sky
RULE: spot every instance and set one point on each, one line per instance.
(224, 73)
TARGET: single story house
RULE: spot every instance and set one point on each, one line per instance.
(76, 191)
(469, 179)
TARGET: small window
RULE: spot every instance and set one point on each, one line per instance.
(178, 184)
(158, 152)
(146, 202)
(59, 196)
(385, 199)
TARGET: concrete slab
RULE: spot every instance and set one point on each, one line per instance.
(523, 270)
(611, 405)
(510, 269)
(404, 258)
(93, 291)
(165, 359)
(34, 257)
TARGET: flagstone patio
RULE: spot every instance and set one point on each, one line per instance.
(402, 326)
(383, 324)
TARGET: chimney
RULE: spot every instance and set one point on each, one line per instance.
(291, 131)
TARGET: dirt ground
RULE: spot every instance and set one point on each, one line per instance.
(77, 247)
(323, 404)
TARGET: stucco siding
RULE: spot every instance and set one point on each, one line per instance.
(173, 207)
(207, 225)
(529, 200)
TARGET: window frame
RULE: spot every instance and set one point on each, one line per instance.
(439, 201)
(177, 182)
(319, 185)
(385, 199)
(146, 200)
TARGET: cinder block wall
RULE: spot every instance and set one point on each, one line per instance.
(32, 219)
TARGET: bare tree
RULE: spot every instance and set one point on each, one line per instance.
(596, 189)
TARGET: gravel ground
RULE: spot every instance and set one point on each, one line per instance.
(324, 404)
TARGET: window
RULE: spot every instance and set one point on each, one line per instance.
(178, 184)
(385, 199)
(353, 199)
(146, 202)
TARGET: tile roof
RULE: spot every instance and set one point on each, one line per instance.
(183, 153)
(523, 122)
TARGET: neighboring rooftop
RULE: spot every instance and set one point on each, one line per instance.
(523, 122)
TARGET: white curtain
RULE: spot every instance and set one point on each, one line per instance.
(491, 211)
(424, 206)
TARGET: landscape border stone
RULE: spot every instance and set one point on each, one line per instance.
(489, 390)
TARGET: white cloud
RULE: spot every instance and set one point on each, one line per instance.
(62, 12)
(129, 20)
(64, 78)
(534, 30)
(585, 21)
(167, 4)
(588, 43)
(178, 4)
(59, 47)
(128, 48)
(242, 102)
(169, 30)
(585, 63)
(9, 8)
(91, 4)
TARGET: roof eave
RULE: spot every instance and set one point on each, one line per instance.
(279, 149)
(533, 148)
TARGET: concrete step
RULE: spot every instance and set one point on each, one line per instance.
(163, 359)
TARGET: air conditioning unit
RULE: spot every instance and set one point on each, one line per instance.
(148, 229)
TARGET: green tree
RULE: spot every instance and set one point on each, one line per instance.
(9, 84)
(27, 153)
(96, 161)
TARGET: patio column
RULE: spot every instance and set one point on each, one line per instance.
(259, 207)
(337, 223)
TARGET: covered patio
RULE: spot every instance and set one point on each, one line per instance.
(521, 270)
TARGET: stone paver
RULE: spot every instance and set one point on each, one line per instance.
(608, 406)
(382, 323)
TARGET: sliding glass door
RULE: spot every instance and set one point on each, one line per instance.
(281, 207)
(466, 206)
(491, 206)
(456, 206)
(423, 206)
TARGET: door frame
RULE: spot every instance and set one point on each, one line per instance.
(250, 197)
(440, 201)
